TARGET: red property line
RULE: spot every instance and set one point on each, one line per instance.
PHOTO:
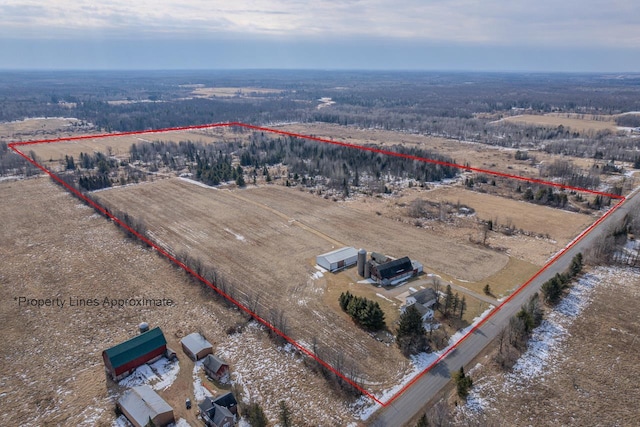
(255, 316)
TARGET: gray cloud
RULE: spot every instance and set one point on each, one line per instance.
(579, 23)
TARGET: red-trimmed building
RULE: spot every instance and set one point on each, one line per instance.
(122, 359)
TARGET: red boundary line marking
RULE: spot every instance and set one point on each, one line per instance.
(255, 316)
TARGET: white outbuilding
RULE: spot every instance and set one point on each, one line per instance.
(338, 259)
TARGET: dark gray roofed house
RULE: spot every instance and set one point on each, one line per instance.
(142, 405)
(216, 368)
(425, 297)
(423, 300)
(220, 412)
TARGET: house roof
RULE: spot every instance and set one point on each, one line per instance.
(227, 400)
(195, 343)
(424, 296)
(218, 409)
(137, 346)
(213, 363)
(142, 404)
(394, 268)
(340, 254)
(220, 414)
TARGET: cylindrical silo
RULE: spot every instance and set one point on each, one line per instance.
(362, 259)
(367, 270)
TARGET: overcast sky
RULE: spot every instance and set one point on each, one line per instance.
(500, 35)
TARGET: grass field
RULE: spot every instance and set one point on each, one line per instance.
(573, 123)
(54, 247)
(587, 377)
(265, 239)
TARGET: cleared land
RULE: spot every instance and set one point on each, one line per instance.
(573, 123)
(54, 247)
(120, 145)
(588, 378)
(265, 239)
(229, 92)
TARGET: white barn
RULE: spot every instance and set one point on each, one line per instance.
(340, 258)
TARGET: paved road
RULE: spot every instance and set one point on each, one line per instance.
(413, 399)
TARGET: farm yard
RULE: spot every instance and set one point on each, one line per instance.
(263, 240)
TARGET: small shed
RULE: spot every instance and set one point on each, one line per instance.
(196, 346)
(338, 259)
(122, 359)
(216, 368)
(141, 405)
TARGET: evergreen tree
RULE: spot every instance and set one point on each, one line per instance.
(285, 415)
(256, 416)
(463, 383)
(448, 300)
(463, 306)
(411, 336)
(423, 422)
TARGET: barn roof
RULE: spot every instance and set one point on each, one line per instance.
(395, 267)
(142, 404)
(195, 343)
(213, 363)
(137, 346)
(340, 254)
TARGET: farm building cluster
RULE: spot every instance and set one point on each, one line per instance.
(383, 270)
(141, 405)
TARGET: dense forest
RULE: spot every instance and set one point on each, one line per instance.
(306, 161)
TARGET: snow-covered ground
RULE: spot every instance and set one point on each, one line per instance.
(545, 345)
(199, 391)
(159, 375)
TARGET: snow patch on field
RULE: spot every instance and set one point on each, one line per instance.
(547, 337)
(269, 374)
(237, 236)
(159, 375)
(385, 298)
(198, 183)
(546, 343)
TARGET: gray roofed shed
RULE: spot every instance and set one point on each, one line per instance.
(340, 258)
(141, 404)
(196, 346)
